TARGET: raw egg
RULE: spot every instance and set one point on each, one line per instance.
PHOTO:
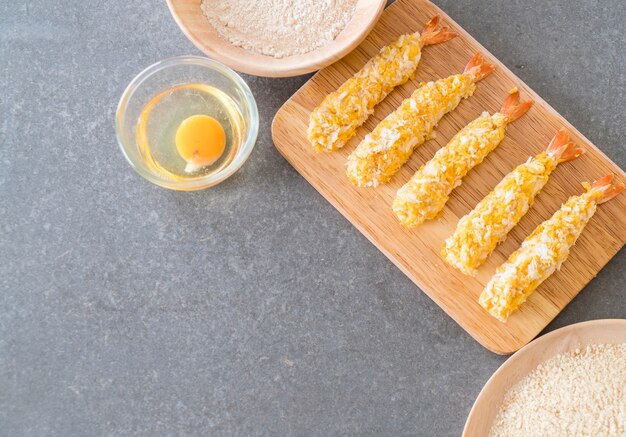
(200, 140)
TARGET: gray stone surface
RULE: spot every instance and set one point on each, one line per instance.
(252, 308)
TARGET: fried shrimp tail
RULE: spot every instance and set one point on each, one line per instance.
(513, 108)
(562, 149)
(435, 34)
(607, 189)
(477, 68)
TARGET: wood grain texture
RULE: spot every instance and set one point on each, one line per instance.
(417, 252)
(195, 26)
(564, 340)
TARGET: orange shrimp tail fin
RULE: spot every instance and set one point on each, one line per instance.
(513, 108)
(477, 67)
(562, 149)
(435, 34)
(608, 189)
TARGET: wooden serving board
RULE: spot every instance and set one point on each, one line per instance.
(416, 252)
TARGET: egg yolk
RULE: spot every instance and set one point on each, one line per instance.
(200, 140)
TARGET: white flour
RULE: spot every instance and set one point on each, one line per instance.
(279, 28)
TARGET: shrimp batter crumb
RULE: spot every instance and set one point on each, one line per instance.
(581, 393)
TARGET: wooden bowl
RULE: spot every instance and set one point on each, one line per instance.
(524, 361)
(195, 26)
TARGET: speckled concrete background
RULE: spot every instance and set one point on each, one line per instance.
(252, 308)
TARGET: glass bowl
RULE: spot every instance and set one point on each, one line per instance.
(179, 71)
